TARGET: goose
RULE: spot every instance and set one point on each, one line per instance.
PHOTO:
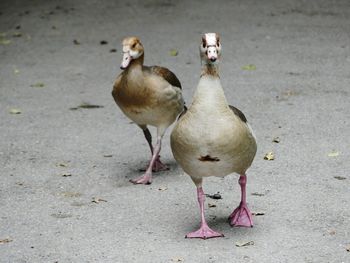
(148, 96)
(213, 138)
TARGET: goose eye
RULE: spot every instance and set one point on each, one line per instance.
(203, 44)
(134, 45)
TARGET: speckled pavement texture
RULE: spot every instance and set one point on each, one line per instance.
(65, 192)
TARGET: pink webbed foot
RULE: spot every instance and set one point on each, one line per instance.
(241, 216)
(158, 166)
(144, 179)
(204, 232)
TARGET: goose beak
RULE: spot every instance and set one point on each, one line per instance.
(126, 60)
(212, 54)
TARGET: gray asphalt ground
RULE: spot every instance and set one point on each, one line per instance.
(298, 92)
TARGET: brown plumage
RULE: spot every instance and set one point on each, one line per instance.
(148, 96)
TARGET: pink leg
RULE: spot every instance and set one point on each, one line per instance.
(204, 231)
(146, 178)
(241, 216)
(157, 165)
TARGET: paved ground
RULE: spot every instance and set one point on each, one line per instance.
(299, 92)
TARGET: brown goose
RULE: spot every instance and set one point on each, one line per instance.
(213, 138)
(148, 96)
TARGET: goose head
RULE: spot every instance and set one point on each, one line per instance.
(210, 48)
(132, 50)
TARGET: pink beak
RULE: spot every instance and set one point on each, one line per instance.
(126, 60)
(212, 54)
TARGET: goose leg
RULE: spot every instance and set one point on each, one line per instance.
(158, 165)
(241, 216)
(146, 178)
(204, 231)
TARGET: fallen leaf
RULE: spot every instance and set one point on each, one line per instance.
(173, 52)
(107, 155)
(5, 240)
(66, 174)
(258, 213)
(269, 156)
(86, 105)
(257, 194)
(15, 111)
(214, 196)
(163, 188)
(249, 67)
(76, 42)
(62, 164)
(5, 41)
(244, 243)
(38, 85)
(339, 177)
(113, 50)
(177, 259)
(333, 154)
(61, 215)
(97, 200)
(276, 140)
(103, 42)
(20, 183)
(71, 194)
(211, 205)
(348, 248)
(17, 34)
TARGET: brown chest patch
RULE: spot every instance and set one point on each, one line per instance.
(132, 96)
(208, 158)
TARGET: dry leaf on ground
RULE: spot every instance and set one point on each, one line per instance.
(333, 154)
(269, 156)
(97, 200)
(66, 174)
(339, 177)
(4, 41)
(173, 52)
(244, 243)
(61, 215)
(211, 205)
(257, 194)
(107, 155)
(5, 240)
(62, 164)
(15, 111)
(249, 67)
(86, 105)
(258, 213)
(38, 85)
(276, 140)
(162, 188)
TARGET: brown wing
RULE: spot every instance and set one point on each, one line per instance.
(238, 113)
(166, 74)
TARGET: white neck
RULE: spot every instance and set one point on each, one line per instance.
(209, 93)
